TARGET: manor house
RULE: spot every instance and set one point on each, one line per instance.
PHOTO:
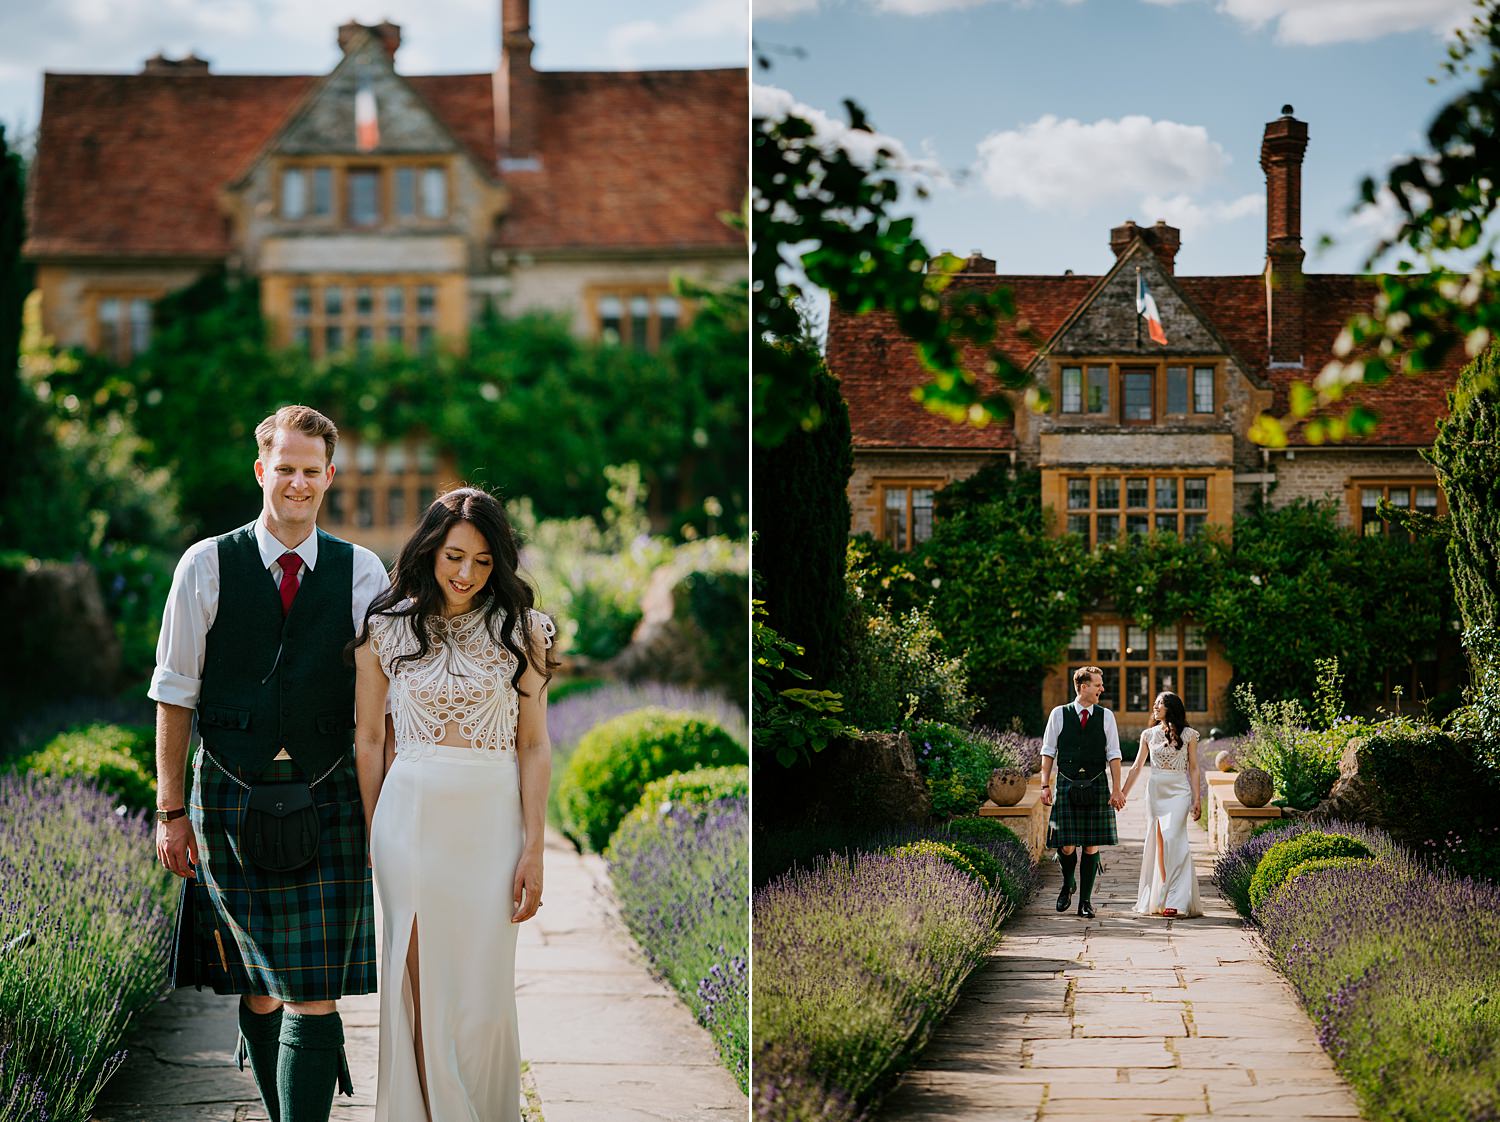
(379, 207)
(1146, 437)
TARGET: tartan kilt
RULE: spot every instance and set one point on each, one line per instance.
(1093, 823)
(308, 935)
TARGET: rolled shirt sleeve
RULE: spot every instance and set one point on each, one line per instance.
(1111, 737)
(192, 604)
(1050, 733)
(370, 580)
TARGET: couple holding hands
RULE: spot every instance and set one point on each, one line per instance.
(1081, 749)
(280, 639)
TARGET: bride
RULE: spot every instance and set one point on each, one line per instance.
(1168, 885)
(455, 815)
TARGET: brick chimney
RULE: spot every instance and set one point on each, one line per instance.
(1161, 239)
(1281, 151)
(977, 262)
(388, 33)
(515, 85)
(187, 64)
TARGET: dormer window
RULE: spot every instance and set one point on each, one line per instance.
(1085, 390)
(1137, 393)
(364, 196)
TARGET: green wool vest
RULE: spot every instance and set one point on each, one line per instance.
(269, 684)
(1080, 751)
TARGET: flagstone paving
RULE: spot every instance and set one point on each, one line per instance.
(603, 1041)
(1124, 1017)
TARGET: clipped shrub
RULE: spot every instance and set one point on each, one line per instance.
(1318, 864)
(943, 851)
(955, 763)
(614, 761)
(1284, 856)
(693, 791)
(121, 759)
(1234, 868)
(1000, 840)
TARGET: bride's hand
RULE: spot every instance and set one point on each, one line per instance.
(526, 893)
(1197, 811)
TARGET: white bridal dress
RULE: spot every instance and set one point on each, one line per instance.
(1167, 877)
(445, 840)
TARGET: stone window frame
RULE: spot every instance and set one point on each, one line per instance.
(1112, 411)
(126, 346)
(386, 190)
(1386, 485)
(1123, 661)
(655, 294)
(1152, 511)
(908, 484)
(369, 476)
(309, 329)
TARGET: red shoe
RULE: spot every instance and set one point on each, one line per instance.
(1170, 913)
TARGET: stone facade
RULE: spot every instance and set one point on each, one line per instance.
(875, 470)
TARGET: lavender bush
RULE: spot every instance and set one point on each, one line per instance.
(682, 879)
(1013, 749)
(857, 959)
(1235, 868)
(84, 936)
(1399, 967)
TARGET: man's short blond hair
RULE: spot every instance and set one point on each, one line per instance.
(297, 418)
(1084, 675)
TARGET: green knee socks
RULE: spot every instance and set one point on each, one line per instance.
(260, 1043)
(311, 1063)
(1087, 872)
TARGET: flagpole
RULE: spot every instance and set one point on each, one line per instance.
(1137, 307)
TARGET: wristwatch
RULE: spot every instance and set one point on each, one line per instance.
(168, 815)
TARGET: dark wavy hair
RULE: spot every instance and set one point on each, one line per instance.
(505, 595)
(1174, 716)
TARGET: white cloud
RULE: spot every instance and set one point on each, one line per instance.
(925, 7)
(777, 104)
(782, 9)
(1193, 217)
(1056, 164)
(706, 21)
(1315, 22)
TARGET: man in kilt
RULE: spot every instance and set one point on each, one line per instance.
(252, 642)
(1083, 743)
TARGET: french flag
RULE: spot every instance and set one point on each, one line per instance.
(366, 122)
(1145, 305)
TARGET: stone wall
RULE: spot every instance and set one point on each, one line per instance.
(872, 468)
(1329, 472)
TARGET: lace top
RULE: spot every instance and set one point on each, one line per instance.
(463, 683)
(1164, 755)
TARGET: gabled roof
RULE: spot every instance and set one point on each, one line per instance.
(636, 160)
(878, 368)
(131, 165)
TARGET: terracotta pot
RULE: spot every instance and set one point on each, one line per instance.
(1224, 761)
(1253, 787)
(1007, 786)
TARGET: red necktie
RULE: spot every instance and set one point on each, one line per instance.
(291, 564)
(1083, 717)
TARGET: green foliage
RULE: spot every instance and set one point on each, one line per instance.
(561, 688)
(17, 433)
(1303, 762)
(121, 759)
(1285, 856)
(699, 789)
(955, 763)
(791, 722)
(817, 210)
(800, 490)
(1318, 864)
(946, 852)
(614, 761)
(895, 669)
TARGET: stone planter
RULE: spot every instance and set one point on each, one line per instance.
(1252, 787)
(1007, 786)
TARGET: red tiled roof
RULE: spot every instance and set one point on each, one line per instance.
(647, 159)
(130, 165)
(879, 369)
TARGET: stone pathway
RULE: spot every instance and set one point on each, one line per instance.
(602, 1040)
(1125, 1017)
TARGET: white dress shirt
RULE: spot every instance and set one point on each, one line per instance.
(193, 604)
(1055, 724)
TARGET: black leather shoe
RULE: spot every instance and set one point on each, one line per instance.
(1085, 909)
(1065, 897)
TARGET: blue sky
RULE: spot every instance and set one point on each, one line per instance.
(299, 36)
(1056, 120)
